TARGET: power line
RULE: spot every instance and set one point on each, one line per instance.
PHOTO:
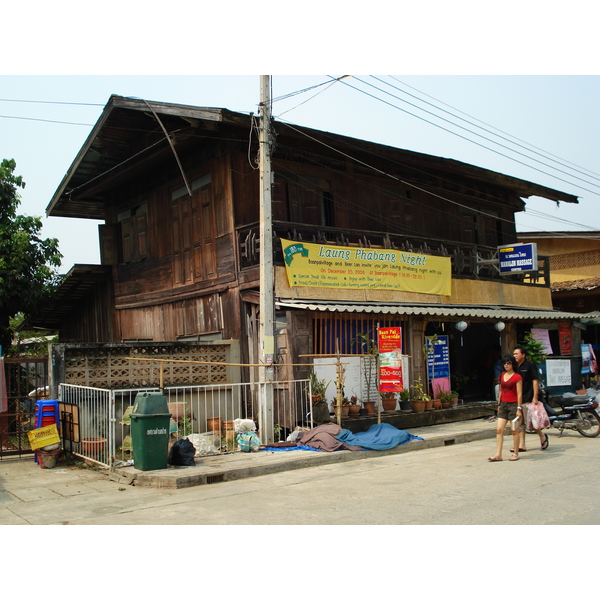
(563, 160)
(545, 155)
(45, 120)
(51, 102)
(469, 131)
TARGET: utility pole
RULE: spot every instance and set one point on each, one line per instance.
(267, 291)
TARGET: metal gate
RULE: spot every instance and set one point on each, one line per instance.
(26, 382)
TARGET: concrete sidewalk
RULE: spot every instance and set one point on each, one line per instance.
(22, 478)
(239, 465)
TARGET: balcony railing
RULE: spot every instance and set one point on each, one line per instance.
(469, 261)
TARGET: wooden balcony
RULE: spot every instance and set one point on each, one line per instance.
(469, 261)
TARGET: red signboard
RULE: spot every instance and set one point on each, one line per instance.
(389, 340)
(565, 339)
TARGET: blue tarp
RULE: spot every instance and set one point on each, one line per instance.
(382, 436)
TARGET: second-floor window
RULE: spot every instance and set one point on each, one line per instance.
(134, 233)
(193, 233)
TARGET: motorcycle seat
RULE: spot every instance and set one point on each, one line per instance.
(573, 400)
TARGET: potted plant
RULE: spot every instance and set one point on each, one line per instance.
(388, 402)
(345, 407)
(447, 397)
(405, 401)
(318, 387)
(419, 397)
(368, 346)
(354, 405)
(370, 407)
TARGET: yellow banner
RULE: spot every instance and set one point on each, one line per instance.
(319, 265)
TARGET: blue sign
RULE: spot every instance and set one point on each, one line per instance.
(518, 258)
(438, 361)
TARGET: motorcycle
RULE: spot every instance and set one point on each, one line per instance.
(575, 412)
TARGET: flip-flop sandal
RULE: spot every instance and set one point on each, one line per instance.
(514, 457)
(545, 444)
(520, 449)
(494, 459)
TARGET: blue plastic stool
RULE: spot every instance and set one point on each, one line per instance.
(46, 413)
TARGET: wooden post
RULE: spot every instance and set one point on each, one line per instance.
(338, 385)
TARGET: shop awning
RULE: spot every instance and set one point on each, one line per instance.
(508, 313)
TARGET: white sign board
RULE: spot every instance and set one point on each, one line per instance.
(355, 380)
(558, 372)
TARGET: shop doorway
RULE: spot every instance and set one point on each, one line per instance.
(473, 354)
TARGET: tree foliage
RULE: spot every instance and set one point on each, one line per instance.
(28, 263)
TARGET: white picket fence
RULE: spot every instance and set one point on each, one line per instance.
(97, 425)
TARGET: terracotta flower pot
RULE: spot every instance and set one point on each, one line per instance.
(354, 410)
(418, 406)
(93, 446)
(437, 404)
(389, 404)
(214, 424)
(370, 408)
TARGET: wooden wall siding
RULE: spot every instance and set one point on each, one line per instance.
(189, 240)
(107, 367)
(313, 195)
(193, 237)
(245, 185)
(92, 321)
(173, 320)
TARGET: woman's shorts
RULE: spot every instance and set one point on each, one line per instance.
(507, 410)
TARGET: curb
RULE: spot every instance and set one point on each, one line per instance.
(211, 471)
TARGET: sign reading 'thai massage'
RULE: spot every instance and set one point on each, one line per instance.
(345, 267)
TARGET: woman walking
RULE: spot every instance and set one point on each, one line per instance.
(510, 400)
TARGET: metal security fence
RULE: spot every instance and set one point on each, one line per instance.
(26, 382)
(97, 422)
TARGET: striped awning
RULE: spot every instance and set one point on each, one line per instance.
(508, 313)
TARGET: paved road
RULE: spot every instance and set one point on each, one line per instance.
(452, 485)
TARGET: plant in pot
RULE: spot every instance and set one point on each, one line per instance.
(354, 404)
(388, 402)
(318, 387)
(419, 397)
(369, 349)
(447, 397)
(371, 408)
(405, 401)
(346, 404)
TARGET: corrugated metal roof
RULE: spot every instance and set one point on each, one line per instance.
(436, 310)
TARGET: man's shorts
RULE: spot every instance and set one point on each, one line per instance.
(507, 410)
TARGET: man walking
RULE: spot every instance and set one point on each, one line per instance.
(528, 372)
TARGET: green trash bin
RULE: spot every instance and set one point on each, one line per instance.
(150, 424)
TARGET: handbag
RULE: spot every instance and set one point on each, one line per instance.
(537, 417)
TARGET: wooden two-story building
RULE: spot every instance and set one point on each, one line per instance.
(177, 188)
